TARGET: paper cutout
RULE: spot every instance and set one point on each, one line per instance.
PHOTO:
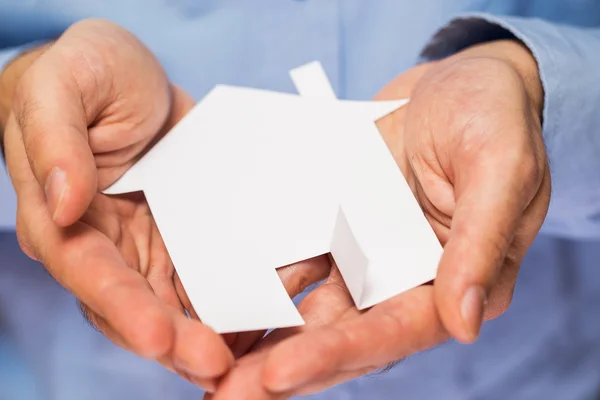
(252, 180)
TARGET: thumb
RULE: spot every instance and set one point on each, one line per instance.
(492, 195)
(49, 106)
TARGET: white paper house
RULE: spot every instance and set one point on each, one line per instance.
(252, 180)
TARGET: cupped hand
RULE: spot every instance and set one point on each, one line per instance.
(87, 109)
(470, 146)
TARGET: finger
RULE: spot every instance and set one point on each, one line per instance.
(88, 264)
(160, 273)
(244, 382)
(325, 304)
(141, 246)
(48, 105)
(335, 379)
(328, 303)
(388, 332)
(209, 385)
(116, 147)
(200, 352)
(99, 324)
(245, 386)
(295, 278)
(125, 300)
(492, 193)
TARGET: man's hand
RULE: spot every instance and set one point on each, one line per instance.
(470, 145)
(84, 109)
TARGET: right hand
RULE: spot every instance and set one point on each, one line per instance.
(83, 112)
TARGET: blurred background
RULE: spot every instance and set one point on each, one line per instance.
(546, 346)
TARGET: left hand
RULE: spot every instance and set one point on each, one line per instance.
(470, 146)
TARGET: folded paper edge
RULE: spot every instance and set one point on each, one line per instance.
(349, 257)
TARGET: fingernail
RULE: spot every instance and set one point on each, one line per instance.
(472, 307)
(55, 188)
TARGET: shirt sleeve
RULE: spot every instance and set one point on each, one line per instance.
(568, 58)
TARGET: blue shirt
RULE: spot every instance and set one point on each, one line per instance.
(547, 344)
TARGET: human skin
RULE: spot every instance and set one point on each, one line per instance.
(78, 112)
(470, 146)
(75, 115)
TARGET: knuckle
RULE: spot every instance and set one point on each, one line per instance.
(393, 324)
